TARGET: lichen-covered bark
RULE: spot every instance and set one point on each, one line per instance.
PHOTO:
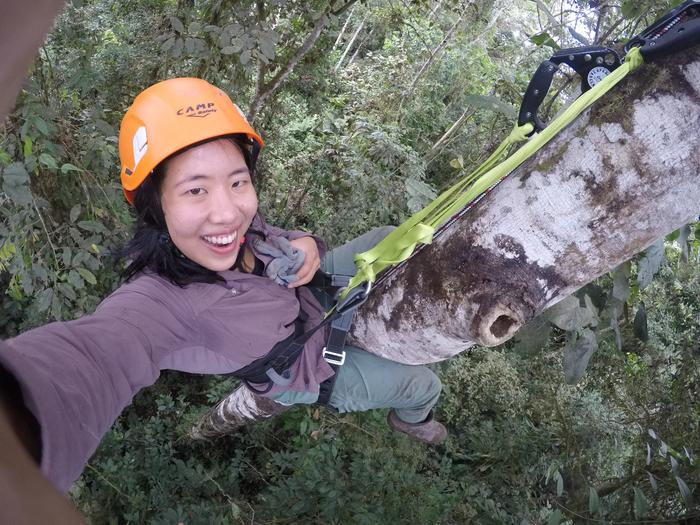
(620, 177)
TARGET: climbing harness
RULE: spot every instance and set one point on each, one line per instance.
(274, 368)
(600, 69)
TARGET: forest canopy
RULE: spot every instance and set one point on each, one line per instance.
(368, 109)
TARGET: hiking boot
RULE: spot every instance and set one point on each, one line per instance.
(429, 431)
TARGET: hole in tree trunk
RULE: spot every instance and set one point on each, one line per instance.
(501, 325)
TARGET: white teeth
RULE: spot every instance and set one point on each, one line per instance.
(220, 239)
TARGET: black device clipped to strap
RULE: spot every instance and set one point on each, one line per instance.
(592, 63)
(673, 32)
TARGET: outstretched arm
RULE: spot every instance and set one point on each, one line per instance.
(26, 497)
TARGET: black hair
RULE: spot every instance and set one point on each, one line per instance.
(150, 247)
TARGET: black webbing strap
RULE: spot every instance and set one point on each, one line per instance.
(334, 352)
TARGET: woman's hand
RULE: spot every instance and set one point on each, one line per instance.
(312, 260)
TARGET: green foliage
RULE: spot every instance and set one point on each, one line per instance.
(348, 148)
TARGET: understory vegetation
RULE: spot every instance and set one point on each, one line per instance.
(364, 123)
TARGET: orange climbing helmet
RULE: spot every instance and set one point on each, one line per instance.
(169, 116)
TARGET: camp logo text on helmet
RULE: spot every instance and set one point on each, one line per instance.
(170, 116)
(201, 110)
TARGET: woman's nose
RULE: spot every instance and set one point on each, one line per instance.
(223, 207)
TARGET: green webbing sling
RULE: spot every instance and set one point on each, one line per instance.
(420, 227)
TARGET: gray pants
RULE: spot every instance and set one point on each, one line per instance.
(367, 381)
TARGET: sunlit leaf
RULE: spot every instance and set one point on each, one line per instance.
(48, 161)
(685, 491)
(87, 275)
(544, 39)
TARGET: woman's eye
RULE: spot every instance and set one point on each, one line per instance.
(196, 191)
(238, 183)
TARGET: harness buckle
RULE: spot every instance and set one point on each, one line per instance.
(336, 358)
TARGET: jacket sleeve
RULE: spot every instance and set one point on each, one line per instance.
(76, 377)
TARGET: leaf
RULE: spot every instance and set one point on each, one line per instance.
(41, 125)
(87, 275)
(40, 272)
(560, 485)
(67, 256)
(491, 103)
(621, 285)
(652, 481)
(168, 44)
(65, 168)
(18, 194)
(245, 57)
(177, 24)
(195, 27)
(75, 280)
(593, 501)
(570, 315)
(615, 325)
(652, 433)
(67, 290)
(419, 194)
(685, 491)
(683, 241)
(577, 354)
(229, 50)
(456, 164)
(48, 161)
(674, 465)
(688, 455)
(650, 263)
(15, 174)
(190, 45)
(15, 184)
(578, 37)
(27, 147)
(641, 330)
(43, 299)
(533, 336)
(544, 39)
(91, 226)
(176, 51)
(648, 454)
(641, 505)
(75, 212)
(267, 48)
(554, 518)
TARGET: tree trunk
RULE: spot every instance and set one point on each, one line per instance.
(622, 176)
(350, 43)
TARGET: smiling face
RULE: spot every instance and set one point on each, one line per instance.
(209, 201)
